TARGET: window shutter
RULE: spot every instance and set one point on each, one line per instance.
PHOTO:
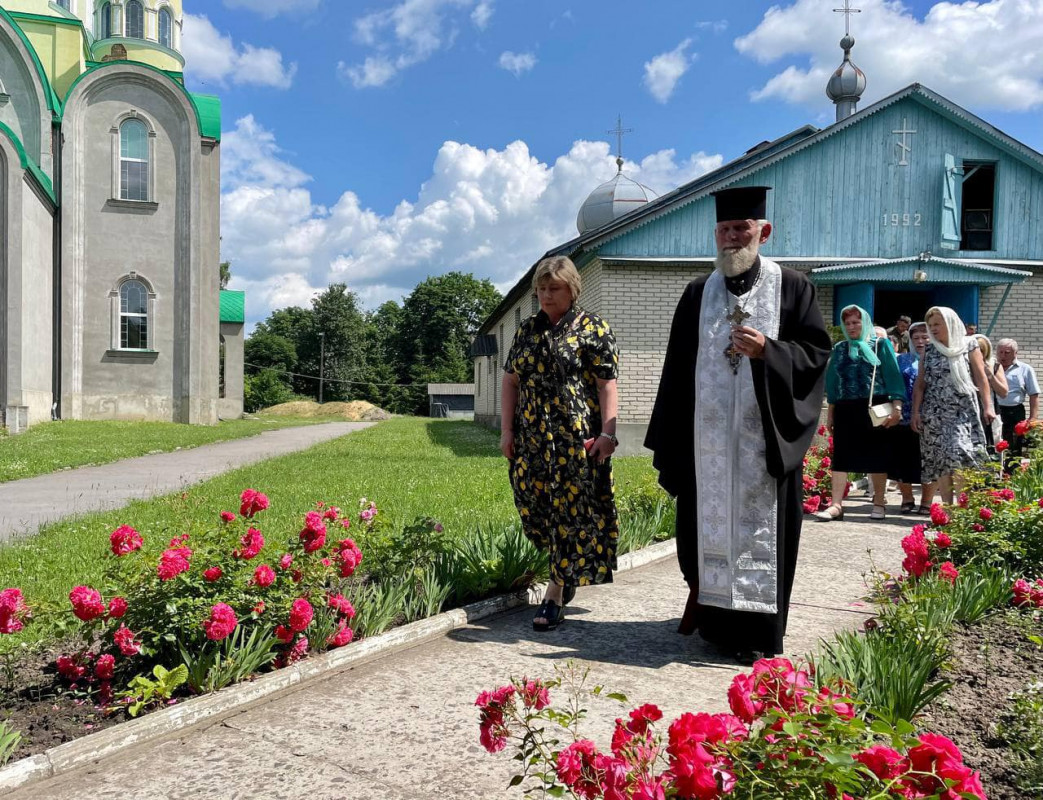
(951, 185)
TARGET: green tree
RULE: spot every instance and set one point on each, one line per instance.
(266, 388)
(336, 314)
(225, 274)
(438, 320)
(266, 349)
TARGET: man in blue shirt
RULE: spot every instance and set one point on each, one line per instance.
(1021, 382)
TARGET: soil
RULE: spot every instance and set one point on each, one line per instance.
(42, 710)
(991, 661)
(354, 411)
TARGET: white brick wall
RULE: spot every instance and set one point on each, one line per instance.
(1021, 318)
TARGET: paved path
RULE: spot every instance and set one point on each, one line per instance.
(28, 504)
(405, 726)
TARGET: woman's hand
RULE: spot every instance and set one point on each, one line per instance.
(507, 443)
(894, 418)
(601, 449)
(990, 415)
(915, 421)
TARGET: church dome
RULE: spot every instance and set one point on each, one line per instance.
(848, 81)
(611, 200)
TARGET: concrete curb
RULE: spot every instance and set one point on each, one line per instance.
(211, 708)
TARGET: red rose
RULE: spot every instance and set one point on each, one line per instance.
(252, 542)
(313, 536)
(985, 514)
(227, 516)
(1002, 445)
(221, 623)
(251, 501)
(124, 639)
(943, 540)
(173, 562)
(213, 573)
(104, 667)
(264, 576)
(285, 561)
(70, 667)
(939, 516)
(342, 636)
(1022, 427)
(13, 611)
(117, 607)
(86, 603)
(949, 572)
(349, 556)
(341, 605)
(1022, 590)
(124, 540)
(301, 614)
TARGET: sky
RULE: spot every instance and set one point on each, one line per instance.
(378, 142)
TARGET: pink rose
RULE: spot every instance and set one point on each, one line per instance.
(104, 667)
(577, 768)
(124, 540)
(977, 527)
(963, 500)
(313, 536)
(227, 516)
(251, 502)
(884, 762)
(985, 514)
(70, 667)
(221, 623)
(117, 607)
(285, 561)
(13, 611)
(939, 516)
(173, 562)
(342, 636)
(949, 572)
(252, 542)
(213, 573)
(301, 614)
(943, 540)
(811, 505)
(86, 603)
(535, 694)
(124, 639)
(264, 576)
(1022, 590)
(341, 605)
(349, 556)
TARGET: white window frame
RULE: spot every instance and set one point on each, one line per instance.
(159, 26)
(116, 314)
(117, 183)
(101, 21)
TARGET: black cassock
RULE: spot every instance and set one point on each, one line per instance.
(788, 383)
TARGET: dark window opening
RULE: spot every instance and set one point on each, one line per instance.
(221, 369)
(979, 205)
(890, 304)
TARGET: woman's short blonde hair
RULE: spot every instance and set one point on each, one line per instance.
(558, 268)
(984, 345)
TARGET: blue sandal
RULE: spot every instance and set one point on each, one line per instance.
(552, 613)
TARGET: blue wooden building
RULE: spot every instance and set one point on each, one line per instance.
(911, 202)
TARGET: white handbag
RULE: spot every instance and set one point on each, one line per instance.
(881, 412)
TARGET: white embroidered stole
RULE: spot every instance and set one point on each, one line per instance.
(737, 503)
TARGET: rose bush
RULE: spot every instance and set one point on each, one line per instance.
(818, 474)
(203, 587)
(787, 736)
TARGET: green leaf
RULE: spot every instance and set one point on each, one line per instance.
(515, 780)
(622, 698)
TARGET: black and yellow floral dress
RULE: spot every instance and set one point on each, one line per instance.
(564, 498)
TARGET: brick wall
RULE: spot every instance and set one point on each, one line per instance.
(1021, 318)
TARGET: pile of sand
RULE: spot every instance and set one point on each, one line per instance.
(355, 411)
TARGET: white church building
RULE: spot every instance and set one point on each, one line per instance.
(110, 219)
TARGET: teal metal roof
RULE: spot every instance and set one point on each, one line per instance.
(901, 270)
(233, 306)
(208, 109)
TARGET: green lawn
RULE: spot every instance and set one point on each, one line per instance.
(410, 467)
(53, 446)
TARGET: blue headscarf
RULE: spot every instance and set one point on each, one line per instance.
(860, 348)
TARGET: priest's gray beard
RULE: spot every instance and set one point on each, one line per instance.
(736, 262)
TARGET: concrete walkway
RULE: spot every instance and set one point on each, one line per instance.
(405, 726)
(28, 504)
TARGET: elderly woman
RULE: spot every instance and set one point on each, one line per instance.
(905, 442)
(862, 372)
(998, 386)
(945, 405)
(558, 426)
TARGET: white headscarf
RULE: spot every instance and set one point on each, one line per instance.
(956, 350)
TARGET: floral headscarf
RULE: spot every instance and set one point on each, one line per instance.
(955, 350)
(860, 347)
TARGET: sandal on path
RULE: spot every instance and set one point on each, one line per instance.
(552, 613)
(908, 508)
(878, 512)
(924, 511)
(568, 593)
(828, 515)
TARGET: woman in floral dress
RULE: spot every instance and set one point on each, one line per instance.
(945, 404)
(558, 425)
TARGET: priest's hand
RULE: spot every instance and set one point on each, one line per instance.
(748, 341)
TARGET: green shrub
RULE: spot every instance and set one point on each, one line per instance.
(491, 560)
(646, 524)
(265, 389)
(235, 658)
(1022, 729)
(9, 741)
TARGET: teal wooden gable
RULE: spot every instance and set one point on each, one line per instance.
(911, 173)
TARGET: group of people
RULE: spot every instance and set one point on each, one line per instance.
(918, 403)
(739, 401)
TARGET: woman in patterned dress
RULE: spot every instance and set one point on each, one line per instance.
(945, 404)
(558, 426)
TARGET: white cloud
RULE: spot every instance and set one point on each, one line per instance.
(517, 63)
(211, 57)
(491, 212)
(406, 34)
(714, 26)
(272, 8)
(482, 14)
(983, 54)
(664, 71)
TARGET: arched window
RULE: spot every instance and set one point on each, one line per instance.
(133, 160)
(106, 20)
(135, 20)
(133, 315)
(164, 28)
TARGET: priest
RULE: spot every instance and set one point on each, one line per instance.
(738, 403)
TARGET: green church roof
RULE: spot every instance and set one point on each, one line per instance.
(233, 306)
(208, 109)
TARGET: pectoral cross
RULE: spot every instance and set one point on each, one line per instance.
(737, 317)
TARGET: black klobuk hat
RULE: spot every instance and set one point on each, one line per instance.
(742, 202)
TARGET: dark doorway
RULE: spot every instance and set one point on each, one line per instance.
(890, 304)
(979, 193)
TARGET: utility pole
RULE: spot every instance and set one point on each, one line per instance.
(322, 362)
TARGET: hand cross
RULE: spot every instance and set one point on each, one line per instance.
(738, 316)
